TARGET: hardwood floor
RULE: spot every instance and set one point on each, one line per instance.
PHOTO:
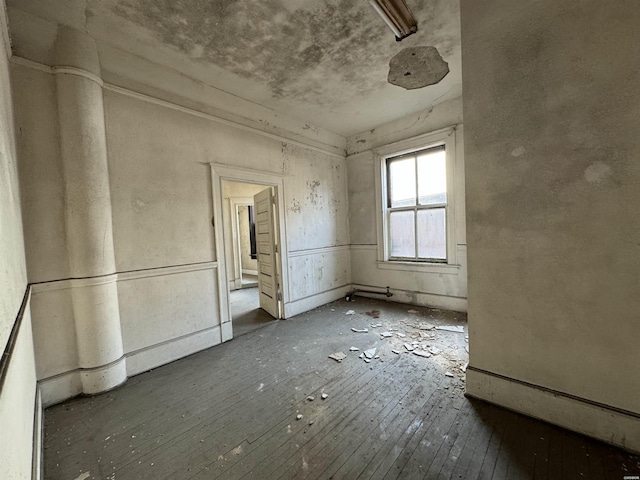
(230, 412)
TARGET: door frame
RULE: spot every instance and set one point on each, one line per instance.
(220, 172)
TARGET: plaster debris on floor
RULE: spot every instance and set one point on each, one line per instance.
(451, 328)
(424, 333)
(338, 356)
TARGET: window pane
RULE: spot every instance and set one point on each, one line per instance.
(403, 238)
(432, 177)
(432, 234)
(402, 182)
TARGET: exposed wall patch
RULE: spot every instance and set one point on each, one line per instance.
(417, 67)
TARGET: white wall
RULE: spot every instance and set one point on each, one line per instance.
(161, 199)
(551, 102)
(438, 287)
(18, 387)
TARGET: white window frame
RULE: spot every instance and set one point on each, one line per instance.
(437, 138)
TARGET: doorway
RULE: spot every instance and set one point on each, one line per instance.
(240, 285)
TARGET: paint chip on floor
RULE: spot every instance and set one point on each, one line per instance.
(422, 353)
(451, 328)
(338, 356)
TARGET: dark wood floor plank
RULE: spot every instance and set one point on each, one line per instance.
(509, 440)
(443, 465)
(486, 464)
(522, 449)
(344, 445)
(476, 447)
(396, 439)
(315, 452)
(438, 438)
(230, 413)
(395, 460)
(372, 447)
(326, 415)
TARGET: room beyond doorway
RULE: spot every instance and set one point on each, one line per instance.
(243, 242)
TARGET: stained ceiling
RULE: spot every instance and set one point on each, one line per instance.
(322, 62)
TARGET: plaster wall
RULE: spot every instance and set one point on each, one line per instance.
(13, 279)
(438, 287)
(18, 388)
(158, 156)
(553, 210)
(18, 409)
(161, 200)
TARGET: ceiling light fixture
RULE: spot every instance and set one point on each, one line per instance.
(397, 16)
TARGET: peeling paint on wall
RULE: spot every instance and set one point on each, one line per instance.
(597, 173)
(314, 196)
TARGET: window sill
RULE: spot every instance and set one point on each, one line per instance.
(421, 267)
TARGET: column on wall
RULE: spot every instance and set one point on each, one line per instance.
(89, 232)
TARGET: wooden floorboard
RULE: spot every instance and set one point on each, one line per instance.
(230, 413)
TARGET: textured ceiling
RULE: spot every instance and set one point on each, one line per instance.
(321, 62)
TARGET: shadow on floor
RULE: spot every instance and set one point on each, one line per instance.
(246, 313)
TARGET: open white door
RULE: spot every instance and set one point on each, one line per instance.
(266, 246)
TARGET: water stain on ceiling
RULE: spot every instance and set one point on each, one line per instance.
(277, 43)
(322, 61)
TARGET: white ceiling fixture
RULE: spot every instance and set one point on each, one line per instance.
(397, 16)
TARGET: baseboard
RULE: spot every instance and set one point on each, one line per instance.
(61, 387)
(609, 424)
(309, 303)
(444, 302)
(165, 352)
(66, 385)
(38, 437)
(250, 272)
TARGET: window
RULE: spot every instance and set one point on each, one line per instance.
(416, 206)
(419, 198)
(252, 232)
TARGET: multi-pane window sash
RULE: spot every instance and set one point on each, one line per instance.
(417, 206)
